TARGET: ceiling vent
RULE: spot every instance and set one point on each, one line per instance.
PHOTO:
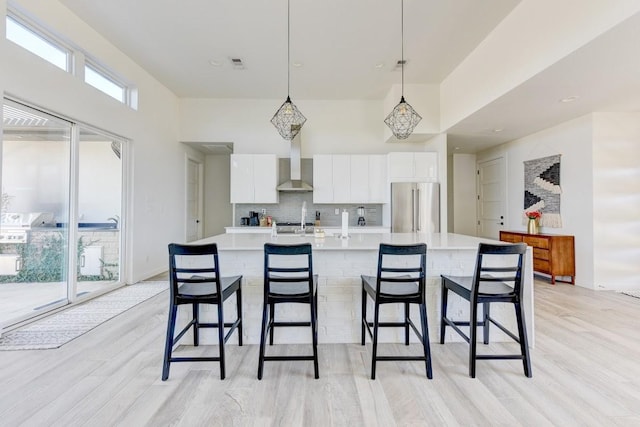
(237, 64)
(399, 64)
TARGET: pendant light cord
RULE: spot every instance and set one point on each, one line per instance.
(288, 45)
(402, 42)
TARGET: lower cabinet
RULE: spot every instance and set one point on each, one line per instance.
(553, 254)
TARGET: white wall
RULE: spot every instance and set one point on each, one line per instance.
(616, 200)
(157, 184)
(332, 127)
(573, 140)
(463, 194)
(548, 30)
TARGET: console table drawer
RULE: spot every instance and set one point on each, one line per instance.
(512, 238)
(541, 265)
(541, 253)
(536, 242)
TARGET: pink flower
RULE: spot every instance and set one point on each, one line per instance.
(533, 214)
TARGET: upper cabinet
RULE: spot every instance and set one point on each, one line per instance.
(344, 178)
(254, 178)
(419, 166)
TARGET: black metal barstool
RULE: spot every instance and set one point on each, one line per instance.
(397, 283)
(491, 282)
(288, 278)
(194, 276)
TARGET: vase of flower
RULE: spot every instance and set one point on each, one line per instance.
(532, 225)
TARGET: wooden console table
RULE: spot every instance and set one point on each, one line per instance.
(552, 254)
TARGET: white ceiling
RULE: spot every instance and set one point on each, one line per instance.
(340, 42)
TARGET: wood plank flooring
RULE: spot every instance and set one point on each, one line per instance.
(586, 371)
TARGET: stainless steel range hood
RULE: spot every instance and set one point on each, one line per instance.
(295, 183)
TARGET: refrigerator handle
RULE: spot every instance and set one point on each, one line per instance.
(418, 210)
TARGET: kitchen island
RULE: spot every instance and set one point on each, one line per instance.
(339, 263)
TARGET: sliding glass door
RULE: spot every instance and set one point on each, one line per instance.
(99, 211)
(61, 183)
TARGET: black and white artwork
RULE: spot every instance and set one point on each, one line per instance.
(542, 190)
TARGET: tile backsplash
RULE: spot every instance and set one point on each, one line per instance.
(290, 205)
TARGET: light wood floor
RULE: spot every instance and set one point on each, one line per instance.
(586, 371)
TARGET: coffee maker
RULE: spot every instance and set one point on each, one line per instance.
(361, 220)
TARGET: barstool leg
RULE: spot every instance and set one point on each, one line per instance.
(425, 339)
(196, 324)
(524, 342)
(171, 323)
(239, 312)
(443, 311)
(486, 309)
(376, 313)
(263, 338)
(364, 313)
(272, 317)
(406, 323)
(473, 329)
(314, 336)
(221, 339)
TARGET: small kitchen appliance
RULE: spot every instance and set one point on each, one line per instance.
(361, 220)
(254, 219)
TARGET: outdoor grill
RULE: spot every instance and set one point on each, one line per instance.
(15, 228)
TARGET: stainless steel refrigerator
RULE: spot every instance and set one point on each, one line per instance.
(415, 207)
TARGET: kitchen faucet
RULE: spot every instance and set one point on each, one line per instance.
(304, 215)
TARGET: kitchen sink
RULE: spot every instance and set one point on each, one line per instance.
(294, 228)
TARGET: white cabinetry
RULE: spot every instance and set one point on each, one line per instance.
(341, 179)
(378, 187)
(420, 166)
(323, 178)
(254, 178)
(345, 178)
(359, 178)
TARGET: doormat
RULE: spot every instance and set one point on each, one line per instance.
(60, 328)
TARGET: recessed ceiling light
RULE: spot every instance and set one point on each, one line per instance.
(569, 99)
(496, 130)
(215, 63)
(456, 148)
(297, 64)
(379, 65)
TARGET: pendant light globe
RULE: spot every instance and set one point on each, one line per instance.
(403, 118)
(288, 120)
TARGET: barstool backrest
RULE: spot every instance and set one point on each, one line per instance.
(193, 264)
(493, 264)
(401, 264)
(287, 264)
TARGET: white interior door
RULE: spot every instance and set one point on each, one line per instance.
(194, 200)
(491, 198)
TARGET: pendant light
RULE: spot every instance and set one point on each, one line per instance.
(288, 119)
(403, 118)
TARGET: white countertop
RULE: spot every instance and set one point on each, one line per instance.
(328, 229)
(362, 241)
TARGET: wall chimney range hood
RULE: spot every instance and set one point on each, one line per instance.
(295, 183)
